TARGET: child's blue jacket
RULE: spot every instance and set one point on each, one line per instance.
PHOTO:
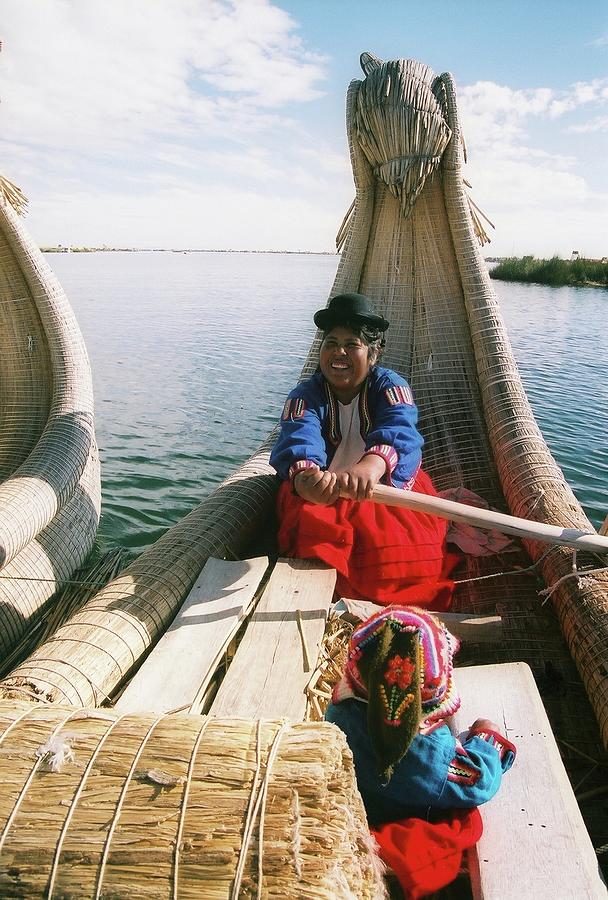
(437, 772)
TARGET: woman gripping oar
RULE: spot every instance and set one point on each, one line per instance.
(349, 427)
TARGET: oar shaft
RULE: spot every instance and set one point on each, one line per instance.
(487, 518)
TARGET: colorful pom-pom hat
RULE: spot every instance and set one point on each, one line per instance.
(400, 662)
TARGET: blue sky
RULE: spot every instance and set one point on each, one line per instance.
(219, 124)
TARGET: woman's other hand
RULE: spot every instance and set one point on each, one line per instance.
(359, 481)
(316, 486)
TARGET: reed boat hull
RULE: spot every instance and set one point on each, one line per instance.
(411, 243)
(50, 491)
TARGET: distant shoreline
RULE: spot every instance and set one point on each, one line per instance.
(60, 249)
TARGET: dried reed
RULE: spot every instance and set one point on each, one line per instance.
(97, 805)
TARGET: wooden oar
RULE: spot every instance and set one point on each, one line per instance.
(487, 518)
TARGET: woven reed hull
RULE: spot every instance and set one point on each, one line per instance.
(49, 467)
(154, 807)
(424, 271)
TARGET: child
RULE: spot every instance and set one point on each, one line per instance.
(392, 703)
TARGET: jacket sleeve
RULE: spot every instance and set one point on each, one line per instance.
(476, 769)
(393, 434)
(300, 443)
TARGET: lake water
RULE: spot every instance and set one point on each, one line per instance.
(193, 354)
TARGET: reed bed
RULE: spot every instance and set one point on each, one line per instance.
(554, 271)
(98, 805)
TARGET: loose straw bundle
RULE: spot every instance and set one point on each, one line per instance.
(94, 804)
(13, 195)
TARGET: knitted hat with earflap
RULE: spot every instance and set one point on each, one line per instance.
(400, 661)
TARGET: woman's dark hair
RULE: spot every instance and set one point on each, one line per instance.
(373, 338)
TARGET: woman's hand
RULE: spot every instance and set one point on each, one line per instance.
(358, 482)
(316, 486)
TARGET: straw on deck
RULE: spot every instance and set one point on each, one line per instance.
(95, 805)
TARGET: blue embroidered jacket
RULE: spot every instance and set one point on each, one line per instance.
(437, 772)
(310, 426)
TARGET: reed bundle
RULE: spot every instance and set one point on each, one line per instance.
(84, 583)
(49, 466)
(97, 805)
(401, 128)
(13, 195)
(90, 656)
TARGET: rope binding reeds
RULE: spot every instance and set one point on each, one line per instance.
(401, 127)
(96, 804)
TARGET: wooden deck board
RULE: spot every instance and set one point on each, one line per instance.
(478, 629)
(269, 672)
(535, 843)
(184, 660)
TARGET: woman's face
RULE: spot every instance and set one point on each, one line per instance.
(345, 362)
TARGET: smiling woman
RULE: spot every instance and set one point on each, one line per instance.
(345, 360)
(349, 427)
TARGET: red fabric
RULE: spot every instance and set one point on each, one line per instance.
(381, 553)
(425, 856)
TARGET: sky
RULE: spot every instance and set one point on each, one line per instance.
(219, 124)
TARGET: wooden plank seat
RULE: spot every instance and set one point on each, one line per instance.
(271, 668)
(179, 669)
(535, 843)
(469, 627)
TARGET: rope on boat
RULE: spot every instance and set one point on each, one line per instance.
(75, 799)
(257, 803)
(546, 592)
(119, 805)
(184, 806)
(507, 573)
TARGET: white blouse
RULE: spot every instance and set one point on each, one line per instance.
(352, 445)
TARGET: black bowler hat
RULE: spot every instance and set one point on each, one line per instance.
(347, 309)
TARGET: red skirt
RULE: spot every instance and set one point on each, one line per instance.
(382, 553)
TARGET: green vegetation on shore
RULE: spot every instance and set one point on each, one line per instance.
(553, 271)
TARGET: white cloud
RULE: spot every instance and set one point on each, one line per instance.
(538, 196)
(117, 73)
(494, 113)
(601, 41)
(599, 123)
(202, 217)
(166, 123)
(123, 98)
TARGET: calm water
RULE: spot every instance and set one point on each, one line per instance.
(193, 354)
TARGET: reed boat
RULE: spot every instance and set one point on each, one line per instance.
(116, 786)
(50, 488)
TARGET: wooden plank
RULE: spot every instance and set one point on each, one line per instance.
(489, 518)
(268, 674)
(185, 658)
(467, 627)
(535, 843)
